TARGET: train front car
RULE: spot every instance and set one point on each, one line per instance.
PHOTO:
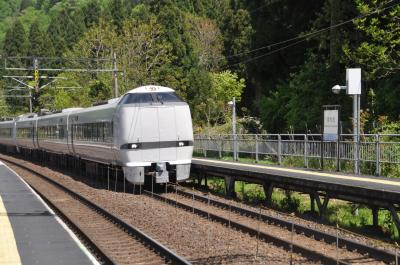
(155, 135)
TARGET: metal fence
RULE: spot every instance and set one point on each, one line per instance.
(372, 148)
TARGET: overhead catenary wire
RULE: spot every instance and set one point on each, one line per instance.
(265, 54)
(304, 37)
(270, 2)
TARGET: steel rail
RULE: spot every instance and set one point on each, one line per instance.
(349, 244)
(279, 242)
(99, 252)
(133, 231)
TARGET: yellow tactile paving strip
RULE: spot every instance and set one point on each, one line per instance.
(320, 174)
(8, 247)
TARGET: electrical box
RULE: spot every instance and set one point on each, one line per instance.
(353, 81)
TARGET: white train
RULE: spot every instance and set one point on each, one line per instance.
(148, 131)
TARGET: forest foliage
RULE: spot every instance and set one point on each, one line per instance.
(278, 58)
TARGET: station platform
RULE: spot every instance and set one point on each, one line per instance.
(378, 192)
(30, 232)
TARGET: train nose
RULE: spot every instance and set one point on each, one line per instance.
(158, 136)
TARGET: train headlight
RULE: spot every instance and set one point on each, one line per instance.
(181, 144)
(129, 146)
(134, 146)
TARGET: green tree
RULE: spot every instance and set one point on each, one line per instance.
(118, 13)
(92, 11)
(142, 52)
(99, 91)
(56, 32)
(25, 4)
(212, 104)
(39, 43)
(296, 104)
(185, 58)
(237, 32)
(8, 8)
(376, 51)
(65, 29)
(55, 98)
(15, 43)
(273, 22)
(39, 4)
(207, 41)
(379, 51)
(75, 27)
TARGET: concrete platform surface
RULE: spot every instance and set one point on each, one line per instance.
(30, 232)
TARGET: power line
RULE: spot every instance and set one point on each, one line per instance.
(270, 2)
(266, 54)
(311, 34)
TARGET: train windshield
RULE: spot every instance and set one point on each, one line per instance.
(161, 97)
(167, 97)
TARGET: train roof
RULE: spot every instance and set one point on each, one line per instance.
(150, 89)
(108, 104)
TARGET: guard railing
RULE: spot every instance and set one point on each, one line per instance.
(378, 149)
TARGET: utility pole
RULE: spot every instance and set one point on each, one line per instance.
(233, 105)
(353, 88)
(44, 64)
(30, 101)
(356, 131)
(115, 75)
(36, 73)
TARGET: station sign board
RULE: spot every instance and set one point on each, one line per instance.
(331, 125)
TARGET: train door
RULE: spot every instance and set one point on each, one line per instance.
(35, 135)
(167, 132)
(149, 133)
(71, 132)
(32, 128)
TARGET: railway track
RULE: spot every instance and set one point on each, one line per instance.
(197, 240)
(211, 235)
(111, 239)
(316, 234)
(306, 241)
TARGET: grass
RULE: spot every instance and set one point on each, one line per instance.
(354, 217)
(347, 215)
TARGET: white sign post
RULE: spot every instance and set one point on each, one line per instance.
(331, 131)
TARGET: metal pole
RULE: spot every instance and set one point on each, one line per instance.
(305, 151)
(279, 149)
(378, 154)
(115, 75)
(234, 128)
(359, 132)
(30, 101)
(355, 132)
(256, 148)
(339, 134)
